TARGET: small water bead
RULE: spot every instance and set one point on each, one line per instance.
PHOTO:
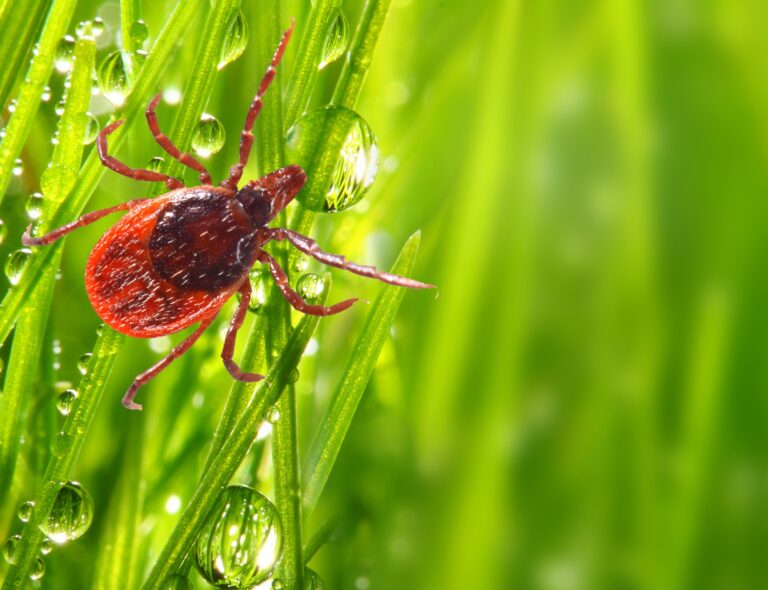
(64, 56)
(336, 42)
(46, 94)
(138, 59)
(177, 582)
(3, 231)
(236, 40)
(12, 106)
(155, 164)
(274, 415)
(25, 511)
(242, 541)
(14, 266)
(46, 546)
(277, 584)
(92, 129)
(83, 361)
(18, 167)
(300, 264)
(357, 163)
(38, 570)
(59, 110)
(98, 26)
(208, 137)
(139, 32)
(112, 78)
(90, 29)
(65, 400)
(34, 206)
(71, 514)
(9, 549)
(311, 580)
(310, 286)
(293, 376)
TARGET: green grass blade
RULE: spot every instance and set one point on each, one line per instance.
(338, 418)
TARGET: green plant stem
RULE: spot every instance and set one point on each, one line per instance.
(229, 458)
(130, 12)
(66, 449)
(338, 417)
(28, 102)
(91, 172)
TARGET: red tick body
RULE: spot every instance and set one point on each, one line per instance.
(174, 260)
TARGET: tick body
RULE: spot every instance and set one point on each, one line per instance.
(174, 260)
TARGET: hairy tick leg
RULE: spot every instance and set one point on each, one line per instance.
(166, 143)
(135, 173)
(147, 375)
(309, 247)
(229, 342)
(294, 298)
(86, 219)
(246, 137)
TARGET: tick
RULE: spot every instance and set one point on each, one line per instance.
(174, 260)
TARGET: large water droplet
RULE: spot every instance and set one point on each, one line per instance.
(310, 286)
(242, 541)
(25, 511)
(92, 129)
(71, 514)
(336, 41)
(311, 580)
(208, 137)
(14, 266)
(34, 206)
(139, 32)
(65, 55)
(345, 181)
(38, 570)
(66, 400)
(9, 548)
(113, 78)
(236, 40)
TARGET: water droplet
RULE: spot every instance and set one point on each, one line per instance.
(300, 264)
(311, 580)
(113, 78)
(274, 415)
(60, 442)
(155, 164)
(12, 106)
(46, 546)
(25, 511)
(92, 129)
(90, 29)
(34, 206)
(82, 363)
(208, 137)
(236, 40)
(71, 514)
(139, 32)
(277, 584)
(3, 231)
(66, 400)
(242, 541)
(38, 570)
(293, 376)
(14, 266)
(64, 55)
(59, 110)
(98, 26)
(46, 94)
(177, 582)
(356, 165)
(336, 42)
(9, 548)
(18, 167)
(310, 286)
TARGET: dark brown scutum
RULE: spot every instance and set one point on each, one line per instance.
(202, 241)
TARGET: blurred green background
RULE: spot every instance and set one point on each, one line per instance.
(584, 404)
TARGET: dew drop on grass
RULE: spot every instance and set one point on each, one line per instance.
(9, 548)
(18, 167)
(293, 376)
(60, 443)
(64, 56)
(177, 582)
(38, 570)
(46, 546)
(139, 32)
(14, 266)
(83, 361)
(3, 231)
(277, 584)
(25, 511)
(34, 206)
(112, 78)
(236, 40)
(336, 42)
(46, 94)
(155, 164)
(356, 165)
(242, 540)
(274, 415)
(70, 515)
(311, 580)
(92, 129)
(208, 136)
(310, 286)
(88, 29)
(65, 400)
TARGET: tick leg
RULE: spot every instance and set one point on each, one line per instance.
(309, 246)
(120, 168)
(86, 219)
(246, 137)
(166, 143)
(293, 297)
(147, 375)
(229, 342)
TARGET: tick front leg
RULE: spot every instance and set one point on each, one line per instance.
(229, 342)
(309, 247)
(135, 173)
(86, 219)
(166, 143)
(147, 375)
(293, 297)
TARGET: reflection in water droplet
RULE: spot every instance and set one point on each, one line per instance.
(18, 167)
(236, 40)
(82, 363)
(34, 206)
(92, 128)
(46, 546)
(113, 79)
(9, 548)
(177, 582)
(208, 137)
(65, 54)
(336, 42)
(242, 541)
(310, 286)
(71, 514)
(38, 570)
(311, 580)
(14, 266)
(25, 511)
(139, 32)
(155, 164)
(355, 168)
(66, 400)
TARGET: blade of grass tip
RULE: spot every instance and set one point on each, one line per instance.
(28, 337)
(17, 29)
(232, 453)
(92, 170)
(338, 418)
(65, 451)
(21, 120)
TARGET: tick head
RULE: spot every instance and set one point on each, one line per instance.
(264, 198)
